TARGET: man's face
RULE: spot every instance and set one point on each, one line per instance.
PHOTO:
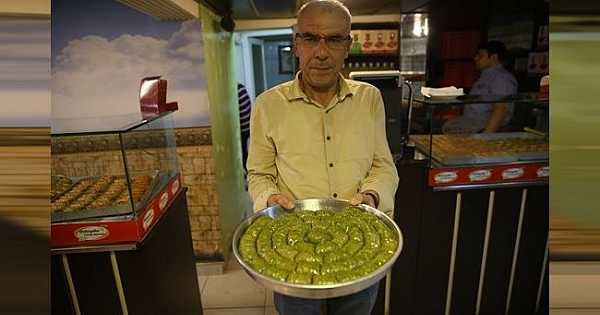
(482, 59)
(321, 61)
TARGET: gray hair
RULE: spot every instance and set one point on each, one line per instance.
(329, 6)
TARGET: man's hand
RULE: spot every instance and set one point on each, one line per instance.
(363, 198)
(279, 199)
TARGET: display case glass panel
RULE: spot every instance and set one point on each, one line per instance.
(463, 154)
(110, 168)
(524, 138)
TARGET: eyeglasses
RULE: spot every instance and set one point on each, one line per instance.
(335, 42)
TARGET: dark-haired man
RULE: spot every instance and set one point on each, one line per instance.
(494, 80)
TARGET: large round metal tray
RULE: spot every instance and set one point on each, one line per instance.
(311, 290)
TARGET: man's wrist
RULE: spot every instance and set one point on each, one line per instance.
(373, 194)
(271, 196)
(262, 200)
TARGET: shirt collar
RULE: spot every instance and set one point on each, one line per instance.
(295, 92)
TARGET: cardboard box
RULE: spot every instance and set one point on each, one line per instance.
(368, 41)
(538, 63)
(380, 41)
(391, 42)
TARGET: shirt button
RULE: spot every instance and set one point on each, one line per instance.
(330, 164)
(334, 195)
(328, 138)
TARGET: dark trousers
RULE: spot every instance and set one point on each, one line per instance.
(359, 303)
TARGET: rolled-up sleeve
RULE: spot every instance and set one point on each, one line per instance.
(503, 85)
(383, 176)
(262, 172)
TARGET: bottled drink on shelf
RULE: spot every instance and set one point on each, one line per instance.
(356, 47)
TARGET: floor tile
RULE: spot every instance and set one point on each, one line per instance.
(202, 282)
(235, 311)
(233, 264)
(210, 268)
(233, 289)
(270, 310)
(269, 300)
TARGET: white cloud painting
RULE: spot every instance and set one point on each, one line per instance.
(98, 75)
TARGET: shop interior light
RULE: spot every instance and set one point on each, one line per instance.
(417, 28)
(426, 27)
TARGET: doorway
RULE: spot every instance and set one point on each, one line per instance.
(257, 51)
(268, 59)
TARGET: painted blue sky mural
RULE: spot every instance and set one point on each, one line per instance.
(101, 49)
(109, 19)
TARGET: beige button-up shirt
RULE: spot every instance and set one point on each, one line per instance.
(303, 150)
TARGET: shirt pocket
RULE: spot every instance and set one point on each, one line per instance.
(357, 146)
(298, 135)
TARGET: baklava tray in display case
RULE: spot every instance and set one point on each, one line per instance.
(465, 149)
(93, 197)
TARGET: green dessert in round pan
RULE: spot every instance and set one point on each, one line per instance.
(318, 247)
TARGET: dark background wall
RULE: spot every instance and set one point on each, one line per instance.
(488, 17)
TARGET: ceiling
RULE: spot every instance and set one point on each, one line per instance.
(164, 10)
(268, 9)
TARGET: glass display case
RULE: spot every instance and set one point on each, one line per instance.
(517, 153)
(116, 173)
(474, 209)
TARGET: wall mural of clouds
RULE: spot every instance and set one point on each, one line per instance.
(98, 74)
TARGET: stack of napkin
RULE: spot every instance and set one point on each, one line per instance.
(445, 91)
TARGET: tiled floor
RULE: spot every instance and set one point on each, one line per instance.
(233, 293)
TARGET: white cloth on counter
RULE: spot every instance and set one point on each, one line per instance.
(445, 91)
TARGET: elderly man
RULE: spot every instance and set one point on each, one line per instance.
(321, 136)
